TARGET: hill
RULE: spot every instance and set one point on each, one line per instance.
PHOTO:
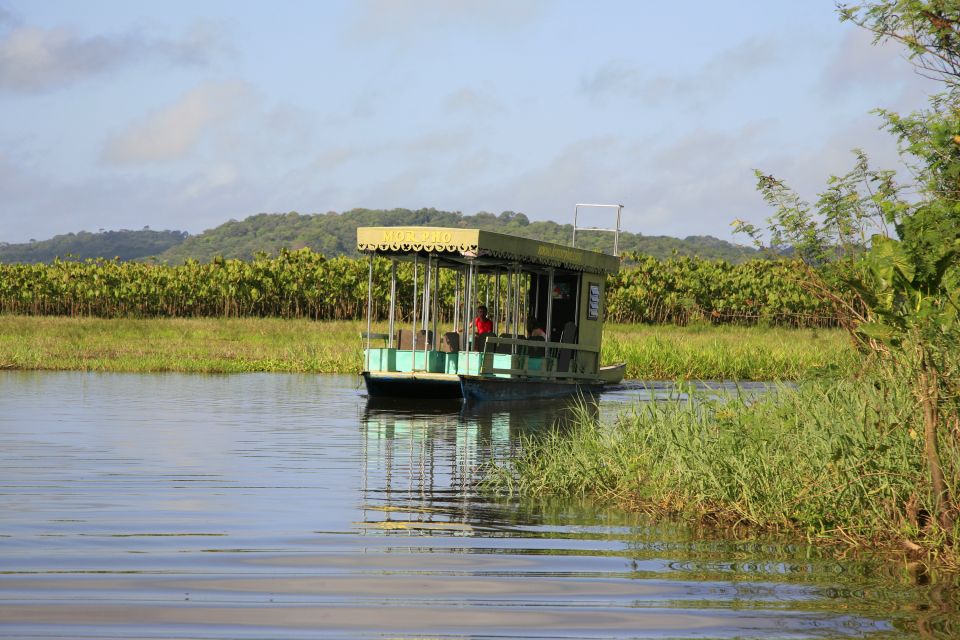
(334, 234)
(123, 244)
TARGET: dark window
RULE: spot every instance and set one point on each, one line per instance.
(593, 302)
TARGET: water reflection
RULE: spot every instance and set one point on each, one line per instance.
(290, 506)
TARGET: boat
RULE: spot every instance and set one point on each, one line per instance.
(552, 292)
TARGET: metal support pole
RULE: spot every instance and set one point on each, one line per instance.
(616, 236)
(456, 302)
(576, 306)
(549, 305)
(413, 338)
(496, 305)
(536, 303)
(426, 311)
(508, 307)
(521, 304)
(475, 288)
(466, 309)
(573, 242)
(469, 305)
(393, 300)
(425, 302)
(436, 292)
(369, 310)
(526, 302)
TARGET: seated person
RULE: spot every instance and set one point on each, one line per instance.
(534, 330)
(482, 324)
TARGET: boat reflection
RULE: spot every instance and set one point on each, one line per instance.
(422, 461)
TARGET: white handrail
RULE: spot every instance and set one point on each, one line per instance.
(615, 231)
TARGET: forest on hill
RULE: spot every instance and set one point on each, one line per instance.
(123, 244)
(334, 234)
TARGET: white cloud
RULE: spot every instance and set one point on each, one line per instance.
(857, 63)
(882, 69)
(384, 18)
(218, 178)
(171, 133)
(7, 17)
(433, 142)
(34, 60)
(47, 205)
(622, 79)
(690, 184)
(468, 101)
(18, 186)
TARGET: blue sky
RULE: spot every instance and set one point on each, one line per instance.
(183, 115)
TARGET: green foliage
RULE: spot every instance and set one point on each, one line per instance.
(304, 284)
(123, 244)
(840, 462)
(854, 207)
(929, 29)
(681, 290)
(907, 290)
(293, 284)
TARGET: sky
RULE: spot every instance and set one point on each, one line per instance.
(183, 114)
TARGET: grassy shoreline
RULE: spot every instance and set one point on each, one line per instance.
(839, 463)
(236, 345)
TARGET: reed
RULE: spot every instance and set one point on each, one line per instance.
(226, 345)
(710, 352)
(840, 462)
(183, 344)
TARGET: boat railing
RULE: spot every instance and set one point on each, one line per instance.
(522, 363)
(372, 336)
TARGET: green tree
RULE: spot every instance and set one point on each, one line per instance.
(898, 278)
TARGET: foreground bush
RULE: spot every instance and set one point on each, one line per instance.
(839, 461)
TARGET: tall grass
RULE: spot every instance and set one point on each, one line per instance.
(840, 462)
(184, 344)
(709, 352)
(271, 344)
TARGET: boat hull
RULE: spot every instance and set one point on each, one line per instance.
(411, 385)
(476, 388)
(613, 374)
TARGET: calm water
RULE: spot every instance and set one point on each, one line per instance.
(277, 506)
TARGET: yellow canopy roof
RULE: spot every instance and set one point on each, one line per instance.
(465, 244)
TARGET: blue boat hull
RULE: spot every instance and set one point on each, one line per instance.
(411, 386)
(475, 388)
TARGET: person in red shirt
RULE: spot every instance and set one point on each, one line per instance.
(482, 324)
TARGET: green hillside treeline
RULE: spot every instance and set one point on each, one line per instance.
(334, 234)
(123, 244)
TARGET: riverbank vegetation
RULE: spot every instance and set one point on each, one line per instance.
(872, 458)
(226, 345)
(838, 462)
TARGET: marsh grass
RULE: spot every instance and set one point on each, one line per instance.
(838, 462)
(184, 345)
(708, 352)
(225, 345)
